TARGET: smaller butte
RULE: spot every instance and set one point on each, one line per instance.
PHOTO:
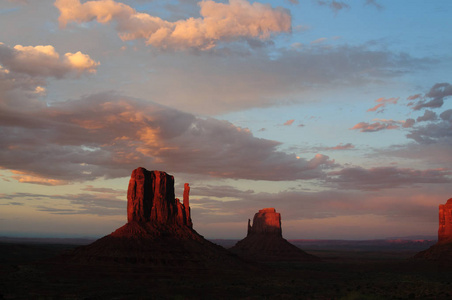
(264, 241)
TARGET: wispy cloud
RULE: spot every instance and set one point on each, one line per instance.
(289, 122)
(376, 126)
(341, 146)
(387, 177)
(334, 5)
(382, 102)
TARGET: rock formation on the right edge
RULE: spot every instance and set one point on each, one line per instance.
(441, 251)
(264, 241)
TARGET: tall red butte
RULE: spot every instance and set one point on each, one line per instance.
(159, 231)
(441, 251)
(264, 241)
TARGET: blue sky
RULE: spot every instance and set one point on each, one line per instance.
(336, 113)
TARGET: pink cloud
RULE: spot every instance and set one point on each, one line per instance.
(288, 122)
(341, 146)
(377, 126)
(414, 97)
(218, 22)
(382, 102)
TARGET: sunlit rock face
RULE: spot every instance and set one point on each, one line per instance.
(441, 251)
(445, 222)
(150, 198)
(266, 221)
(264, 241)
(159, 231)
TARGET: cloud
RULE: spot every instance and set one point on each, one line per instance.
(435, 97)
(435, 154)
(386, 177)
(377, 126)
(218, 22)
(81, 203)
(25, 71)
(433, 132)
(288, 122)
(108, 135)
(44, 61)
(446, 115)
(259, 79)
(428, 116)
(382, 102)
(336, 6)
(318, 41)
(408, 123)
(374, 3)
(401, 205)
(341, 146)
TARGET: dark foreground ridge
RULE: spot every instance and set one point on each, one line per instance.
(441, 251)
(264, 241)
(159, 231)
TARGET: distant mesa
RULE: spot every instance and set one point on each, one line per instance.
(441, 251)
(159, 231)
(264, 241)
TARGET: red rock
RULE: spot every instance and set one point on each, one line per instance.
(264, 241)
(442, 250)
(150, 198)
(445, 222)
(266, 221)
(159, 231)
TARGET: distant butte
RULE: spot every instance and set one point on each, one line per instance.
(264, 241)
(159, 231)
(441, 251)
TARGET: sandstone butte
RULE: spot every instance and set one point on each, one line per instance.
(442, 250)
(264, 241)
(159, 231)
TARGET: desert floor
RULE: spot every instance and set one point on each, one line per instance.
(28, 271)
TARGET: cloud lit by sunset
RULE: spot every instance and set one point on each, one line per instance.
(319, 108)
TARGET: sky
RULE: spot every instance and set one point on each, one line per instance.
(336, 113)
